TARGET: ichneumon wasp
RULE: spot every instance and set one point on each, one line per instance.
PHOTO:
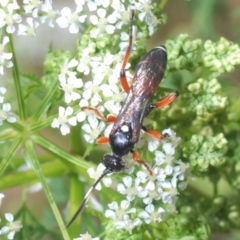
(129, 122)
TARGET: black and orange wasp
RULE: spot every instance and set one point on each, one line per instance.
(129, 122)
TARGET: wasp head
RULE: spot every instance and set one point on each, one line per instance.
(113, 162)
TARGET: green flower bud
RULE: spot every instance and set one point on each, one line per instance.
(201, 110)
(194, 87)
(223, 224)
(184, 221)
(187, 46)
(189, 238)
(92, 47)
(219, 201)
(182, 38)
(208, 46)
(237, 167)
(233, 208)
(219, 141)
(213, 86)
(186, 209)
(234, 217)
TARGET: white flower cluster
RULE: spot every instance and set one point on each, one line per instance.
(104, 87)
(105, 16)
(158, 192)
(12, 226)
(103, 68)
(5, 108)
(96, 11)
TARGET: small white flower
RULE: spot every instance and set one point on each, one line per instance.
(119, 213)
(29, 29)
(64, 121)
(150, 191)
(125, 40)
(71, 19)
(152, 142)
(68, 85)
(8, 15)
(153, 22)
(66, 68)
(32, 6)
(14, 226)
(128, 189)
(81, 116)
(3, 54)
(48, 13)
(93, 129)
(181, 169)
(150, 215)
(145, 7)
(104, 66)
(146, 14)
(5, 57)
(171, 137)
(166, 159)
(84, 61)
(86, 236)
(127, 224)
(91, 92)
(92, 5)
(37, 187)
(6, 63)
(5, 114)
(129, 163)
(2, 91)
(101, 23)
(1, 197)
(114, 104)
(169, 195)
(120, 13)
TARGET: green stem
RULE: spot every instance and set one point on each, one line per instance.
(48, 146)
(14, 179)
(16, 79)
(8, 134)
(17, 126)
(75, 198)
(34, 127)
(10, 153)
(76, 141)
(163, 3)
(37, 167)
(45, 102)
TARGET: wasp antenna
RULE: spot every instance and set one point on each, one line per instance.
(86, 198)
(131, 15)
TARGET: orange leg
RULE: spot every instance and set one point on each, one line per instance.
(110, 118)
(102, 140)
(162, 102)
(136, 158)
(123, 78)
(155, 134)
(167, 100)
